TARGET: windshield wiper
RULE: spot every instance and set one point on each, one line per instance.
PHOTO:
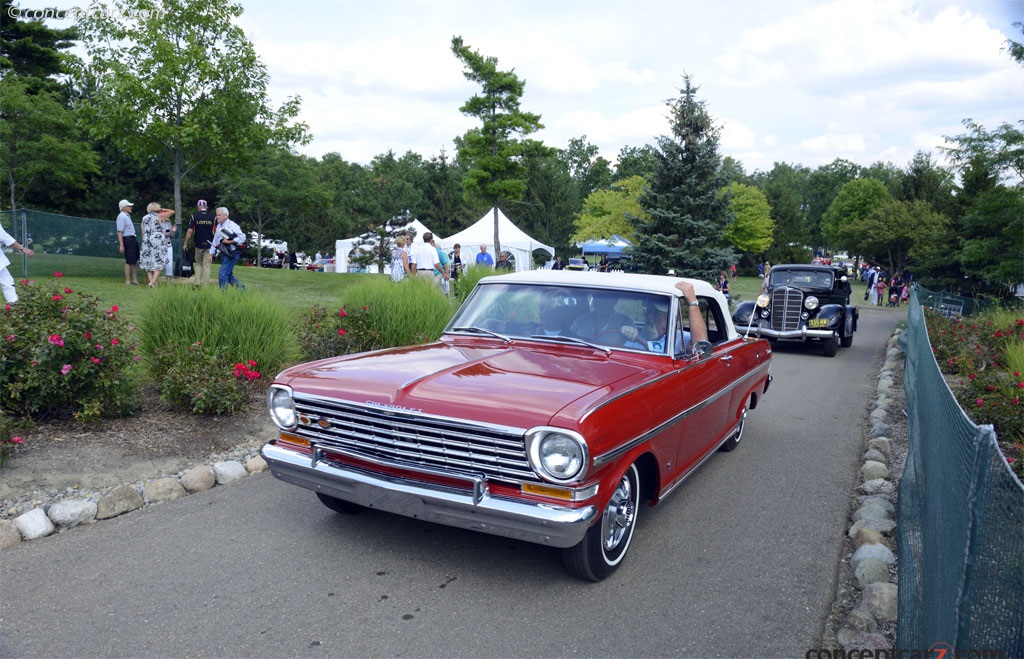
(572, 339)
(480, 330)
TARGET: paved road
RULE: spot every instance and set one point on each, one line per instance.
(740, 561)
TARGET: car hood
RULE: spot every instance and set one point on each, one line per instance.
(518, 385)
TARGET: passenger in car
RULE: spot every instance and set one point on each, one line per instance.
(654, 335)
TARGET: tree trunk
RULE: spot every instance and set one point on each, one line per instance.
(497, 239)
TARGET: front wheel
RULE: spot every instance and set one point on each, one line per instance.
(830, 346)
(604, 547)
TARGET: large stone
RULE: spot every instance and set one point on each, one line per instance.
(255, 464)
(73, 512)
(879, 500)
(879, 599)
(877, 486)
(122, 499)
(198, 478)
(9, 534)
(871, 510)
(861, 621)
(229, 471)
(885, 526)
(866, 536)
(879, 551)
(34, 524)
(880, 444)
(875, 456)
(879, 428)
(163, 489)
(879, 412)
(869, 571)
(871, 470)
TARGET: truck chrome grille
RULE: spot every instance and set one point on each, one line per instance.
(787, 305)
(400, 436)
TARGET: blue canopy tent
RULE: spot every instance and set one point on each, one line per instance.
(614, 245)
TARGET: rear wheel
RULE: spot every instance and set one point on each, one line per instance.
(339, 505)
(604, 547)
(830, 346)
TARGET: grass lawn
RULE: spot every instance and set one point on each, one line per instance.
(295, 291)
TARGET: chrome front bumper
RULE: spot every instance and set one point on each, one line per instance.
(801, 334)
(475, 510)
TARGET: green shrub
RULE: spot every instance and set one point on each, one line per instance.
(376, 313)
(468, 279)
(61, 352)
(192, 341)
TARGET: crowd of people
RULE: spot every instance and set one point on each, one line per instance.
(883, 288)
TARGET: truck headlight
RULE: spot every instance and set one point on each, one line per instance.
(282, 406)
(810, 303)
(556, 455)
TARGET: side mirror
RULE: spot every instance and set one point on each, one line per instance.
(702, 349)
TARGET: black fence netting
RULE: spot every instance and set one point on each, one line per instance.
(961, 520)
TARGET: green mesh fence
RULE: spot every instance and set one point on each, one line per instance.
(961, 520)
(72, 245)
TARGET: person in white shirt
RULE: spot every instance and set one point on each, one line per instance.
(6, 280)
(229, 240)
(425, 257)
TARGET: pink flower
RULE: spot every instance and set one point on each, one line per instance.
(95, 360)
(980, 402)
(17, 440)
(341, 331)
(991, 388)
(114, 342)
(366, 308)
(137, 358)
(7, 307)
(57, 297)
(252, 363)
(115, 308)
(10, 337)
(56, 340)
(65, 369)
(68, 290)
(342, 313)
(58, 275)
(971, 376)
(87, 335)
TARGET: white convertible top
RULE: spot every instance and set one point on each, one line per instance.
(617, 281)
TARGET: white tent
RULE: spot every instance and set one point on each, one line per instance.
(513, 240)
(343, 248)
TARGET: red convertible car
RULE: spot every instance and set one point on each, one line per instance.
(553, 404)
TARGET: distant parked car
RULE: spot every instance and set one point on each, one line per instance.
(543, 413)
(322, 265)
(577, 264)
(271, 262)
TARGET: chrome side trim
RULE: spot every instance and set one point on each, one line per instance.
(633, 443)
(798, 334)
(540, 523)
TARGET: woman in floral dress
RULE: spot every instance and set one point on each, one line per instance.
(155, 240)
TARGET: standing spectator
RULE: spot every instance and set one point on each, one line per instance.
(457, 264)
(723, 284)
(503, 263)
(229, 241)
(602, 265)
(399, 260)
(443, 269)
(767, 269)
(155, 239)
(170, 228)
(202, 224)
(128, 243)
(483, 258)
(6, 280)
(732, 268)
(425, 257)
(558, 265)
(760, 270)
(872, 281)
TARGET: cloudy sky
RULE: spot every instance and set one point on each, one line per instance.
(797, 81)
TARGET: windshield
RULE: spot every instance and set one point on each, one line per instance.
(802, 278)
(629, 320)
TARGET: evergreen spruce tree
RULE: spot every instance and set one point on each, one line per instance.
(687, 217)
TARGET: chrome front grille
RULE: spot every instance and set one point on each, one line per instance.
(403, 437)
(787, 305)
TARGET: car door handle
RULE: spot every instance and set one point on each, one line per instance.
(727, 358)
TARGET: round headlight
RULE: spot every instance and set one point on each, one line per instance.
(282, 407)
(763, 300)
(556, 455)
(810, 303)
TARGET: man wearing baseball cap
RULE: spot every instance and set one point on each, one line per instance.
(202, 225)
(128, 243)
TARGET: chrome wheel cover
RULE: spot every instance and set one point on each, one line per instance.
(619, 515)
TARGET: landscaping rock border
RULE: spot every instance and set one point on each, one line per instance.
(864, 613)
(44, 513)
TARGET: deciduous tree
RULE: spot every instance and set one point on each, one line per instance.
(752, 226)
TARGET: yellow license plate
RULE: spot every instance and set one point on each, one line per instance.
(817, 322)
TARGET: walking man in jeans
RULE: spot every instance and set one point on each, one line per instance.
(229, 241)
(201, 225)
